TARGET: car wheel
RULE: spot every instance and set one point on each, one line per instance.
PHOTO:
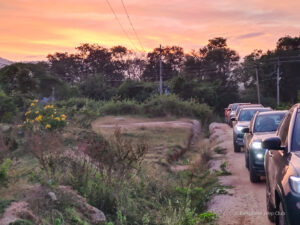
(236, 147)
(254, 178)
(270, 208)
(280, 218)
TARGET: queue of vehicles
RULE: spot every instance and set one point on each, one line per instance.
(271, 143)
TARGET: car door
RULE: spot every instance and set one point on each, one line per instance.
(276, 159)
(248, 136)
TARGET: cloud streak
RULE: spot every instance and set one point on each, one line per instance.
(40, 27)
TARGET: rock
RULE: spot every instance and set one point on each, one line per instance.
(17, 211)
(97, 216)
(52, 196)
(4, 127)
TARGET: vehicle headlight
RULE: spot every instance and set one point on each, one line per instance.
(295, 183)
(239, 128)
(256, 145)
(259, 155)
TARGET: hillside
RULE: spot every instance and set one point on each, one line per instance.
(4, 62)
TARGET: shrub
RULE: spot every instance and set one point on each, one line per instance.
(8, 108)
(47, 148)
(120, 108)
(47, 117)
(166, 105)
(4, 167)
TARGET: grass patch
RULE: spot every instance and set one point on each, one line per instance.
(223, 171)
(220, 150)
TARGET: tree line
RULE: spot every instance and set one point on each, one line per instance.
(212, 74)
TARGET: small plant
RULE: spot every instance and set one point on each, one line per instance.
(47, 148)
(220, 150)
(4, 204)
(22, 222)
(224, 171)
(208, 217)
(4, 167)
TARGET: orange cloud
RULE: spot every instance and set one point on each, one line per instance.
(34, 28)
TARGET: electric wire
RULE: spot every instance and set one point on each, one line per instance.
(131, 24)
(119, 22)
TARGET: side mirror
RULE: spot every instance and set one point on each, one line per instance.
(246, 130)
(233, 119)
(273, 143)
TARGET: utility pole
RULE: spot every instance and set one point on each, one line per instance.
(160, 73)
(277, 80)
(257, 84)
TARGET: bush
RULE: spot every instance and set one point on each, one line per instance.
(47, 117)
(124, 107)
(171, 105)
(7, 108)
(4, 167)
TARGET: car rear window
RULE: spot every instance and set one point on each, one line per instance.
(247, 114)
(267, 123)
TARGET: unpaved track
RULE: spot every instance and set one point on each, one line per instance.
(246, 203)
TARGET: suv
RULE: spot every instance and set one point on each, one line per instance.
(282, 166)
(242, 121)
(238, 109)
(262, 126)
(232, 112)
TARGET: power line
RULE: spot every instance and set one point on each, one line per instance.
(117, 18)
(131, 24)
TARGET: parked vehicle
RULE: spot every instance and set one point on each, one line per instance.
(238, 109)
(233, 111)
(262, 126)
(227, 112)
(242, 121)
(282, 167)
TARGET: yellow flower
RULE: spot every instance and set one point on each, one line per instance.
(35, 100)
(39, 118)
(27, 112)
(32, 104)
(48, 106)
(48, 126)
(36, 112)
(57, 118)
(63, 117)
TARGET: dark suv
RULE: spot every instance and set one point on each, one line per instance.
(241, 121)
(282, 167)
(263, 125)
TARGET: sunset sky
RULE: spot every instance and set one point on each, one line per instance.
(31, 29)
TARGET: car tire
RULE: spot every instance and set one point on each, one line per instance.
(254, 178)
(280, 217)
(270, 208)
(236, 147)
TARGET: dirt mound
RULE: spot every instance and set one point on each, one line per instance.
(17, 211)
(40, 200)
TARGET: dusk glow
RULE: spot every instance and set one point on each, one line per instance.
(31, 29)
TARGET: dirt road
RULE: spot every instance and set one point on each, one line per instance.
(246, 203)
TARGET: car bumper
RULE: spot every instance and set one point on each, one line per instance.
(239, 139)
(258, 164)
(292, 207)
